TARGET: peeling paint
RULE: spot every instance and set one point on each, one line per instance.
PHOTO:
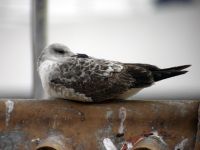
(127, 146)
(106, 131)
(109, 114)
(155, 134)
(36, 141)
(122, 117)
(9, 108)
(102, 133)
(109, 144)
(181, 145)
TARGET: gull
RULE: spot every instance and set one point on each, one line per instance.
(79, 77)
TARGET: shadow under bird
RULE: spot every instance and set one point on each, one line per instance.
(80, 77)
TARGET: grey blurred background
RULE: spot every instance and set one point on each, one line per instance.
(161, 32)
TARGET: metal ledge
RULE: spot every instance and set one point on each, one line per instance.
(26, 123)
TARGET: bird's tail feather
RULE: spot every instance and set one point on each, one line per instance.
(161, 74)
(177, 67)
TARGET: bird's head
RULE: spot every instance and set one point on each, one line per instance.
(56, 52)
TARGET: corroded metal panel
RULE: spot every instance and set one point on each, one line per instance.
(197, 144)
(26, 123)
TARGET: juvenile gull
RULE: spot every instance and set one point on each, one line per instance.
(80, 77)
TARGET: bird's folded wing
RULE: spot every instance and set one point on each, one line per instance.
(98, 79)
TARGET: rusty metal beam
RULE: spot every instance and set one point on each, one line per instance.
(197, 145)
(26, 123)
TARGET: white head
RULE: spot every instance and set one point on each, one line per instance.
(56, 52)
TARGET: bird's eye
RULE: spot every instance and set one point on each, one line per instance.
(59, 50)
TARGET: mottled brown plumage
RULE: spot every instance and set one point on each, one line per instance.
(84, 78)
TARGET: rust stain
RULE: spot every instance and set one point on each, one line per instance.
(86, 126)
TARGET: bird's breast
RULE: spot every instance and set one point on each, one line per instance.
(44, 70)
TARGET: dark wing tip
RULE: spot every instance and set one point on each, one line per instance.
(168, 73)
(184, 67)
(177, 68)
(183, 72)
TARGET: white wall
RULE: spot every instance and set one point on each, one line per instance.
(123, 30)
(15, 49)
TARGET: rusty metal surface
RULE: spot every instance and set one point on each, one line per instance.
(24, 123)
(197, 145)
